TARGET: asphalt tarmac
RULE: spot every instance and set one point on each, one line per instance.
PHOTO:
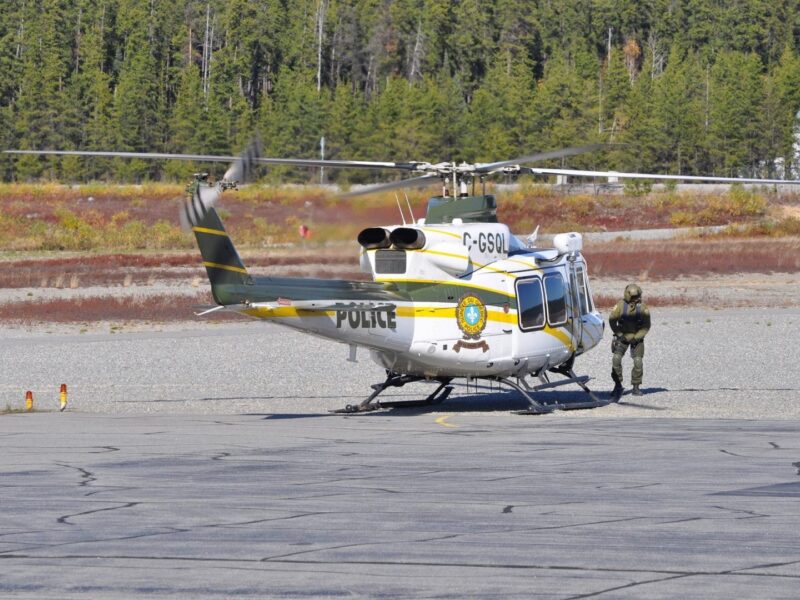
(202, 463)
(379, 505)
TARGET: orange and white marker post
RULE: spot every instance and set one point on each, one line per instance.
(63, 397)
(29, 400)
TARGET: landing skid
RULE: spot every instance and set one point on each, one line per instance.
(539, 408)
(439, 395)
(443, 391)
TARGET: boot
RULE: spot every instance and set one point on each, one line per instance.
(616, 393)
(637, 391)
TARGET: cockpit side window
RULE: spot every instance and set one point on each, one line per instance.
(583, 292)
(556, 299)
(530, 301)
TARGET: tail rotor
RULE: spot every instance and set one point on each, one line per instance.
(204, 195)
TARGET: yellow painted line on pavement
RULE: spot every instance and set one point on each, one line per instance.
(441, 421)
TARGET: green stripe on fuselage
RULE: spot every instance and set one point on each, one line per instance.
(270, 289)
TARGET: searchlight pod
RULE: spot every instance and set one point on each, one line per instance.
(568, 243)
(563, 243)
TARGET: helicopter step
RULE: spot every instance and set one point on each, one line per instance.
(438, 396)
(538, 408)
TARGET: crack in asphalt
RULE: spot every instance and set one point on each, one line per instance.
(65, 518)
(751, 513)
(627, 586)
(105, 449)
(87, 477)
(638, 487)
(167, 530)
(108, 488)
(765, 566)
(732, 453)
(671, 573)
(451, 536)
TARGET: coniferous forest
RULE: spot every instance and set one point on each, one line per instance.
(681, 86)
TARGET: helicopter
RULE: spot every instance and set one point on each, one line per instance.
(454, 294)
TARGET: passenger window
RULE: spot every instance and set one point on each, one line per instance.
(556, 299)
(583, 293)
(531, 304)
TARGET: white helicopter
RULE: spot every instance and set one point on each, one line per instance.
(454, 294)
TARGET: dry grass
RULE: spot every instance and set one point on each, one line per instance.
(531, 205)
(656, 260)
(668, 259)
(80, 271)
(85, 309)
(113, 218)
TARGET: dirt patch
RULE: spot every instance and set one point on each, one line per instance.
(790, 211)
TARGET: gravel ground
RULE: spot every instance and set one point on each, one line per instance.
(728, 364)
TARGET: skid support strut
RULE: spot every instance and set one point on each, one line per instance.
(538, 408)
(440, 394)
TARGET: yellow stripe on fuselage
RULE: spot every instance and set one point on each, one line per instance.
(440, 253)
(449, 312)
(409, 312)
(438, 312)
(225, 267)
(450, 233)
(561, 335)
(211, 231)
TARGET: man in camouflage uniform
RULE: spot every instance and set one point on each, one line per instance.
(630, 322)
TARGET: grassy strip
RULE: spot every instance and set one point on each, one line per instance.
(669, 259)
(155, 308)
(655, 260)
(114, 218)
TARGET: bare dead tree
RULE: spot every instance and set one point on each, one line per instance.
(415, 67)
(322, 7)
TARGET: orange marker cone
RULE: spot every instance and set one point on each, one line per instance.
(29, 400)
(63, 397)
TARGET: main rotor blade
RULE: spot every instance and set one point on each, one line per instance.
(297, 162)
(581, 173)
(394, 185)
(564, 152)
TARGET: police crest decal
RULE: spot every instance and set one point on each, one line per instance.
(471, 316)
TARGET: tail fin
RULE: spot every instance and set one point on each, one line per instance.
(220, 258)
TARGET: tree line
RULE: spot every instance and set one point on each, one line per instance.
(680, 86)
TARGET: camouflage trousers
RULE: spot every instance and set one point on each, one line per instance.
(619, 347)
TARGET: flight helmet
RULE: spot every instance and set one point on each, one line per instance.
(633, 293)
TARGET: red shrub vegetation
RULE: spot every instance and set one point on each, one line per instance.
(667, 259)
(158, 308)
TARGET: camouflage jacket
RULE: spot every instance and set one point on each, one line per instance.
(631, 321)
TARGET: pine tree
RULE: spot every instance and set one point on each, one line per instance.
(39, 107)
(736, 95)
(137, 94)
